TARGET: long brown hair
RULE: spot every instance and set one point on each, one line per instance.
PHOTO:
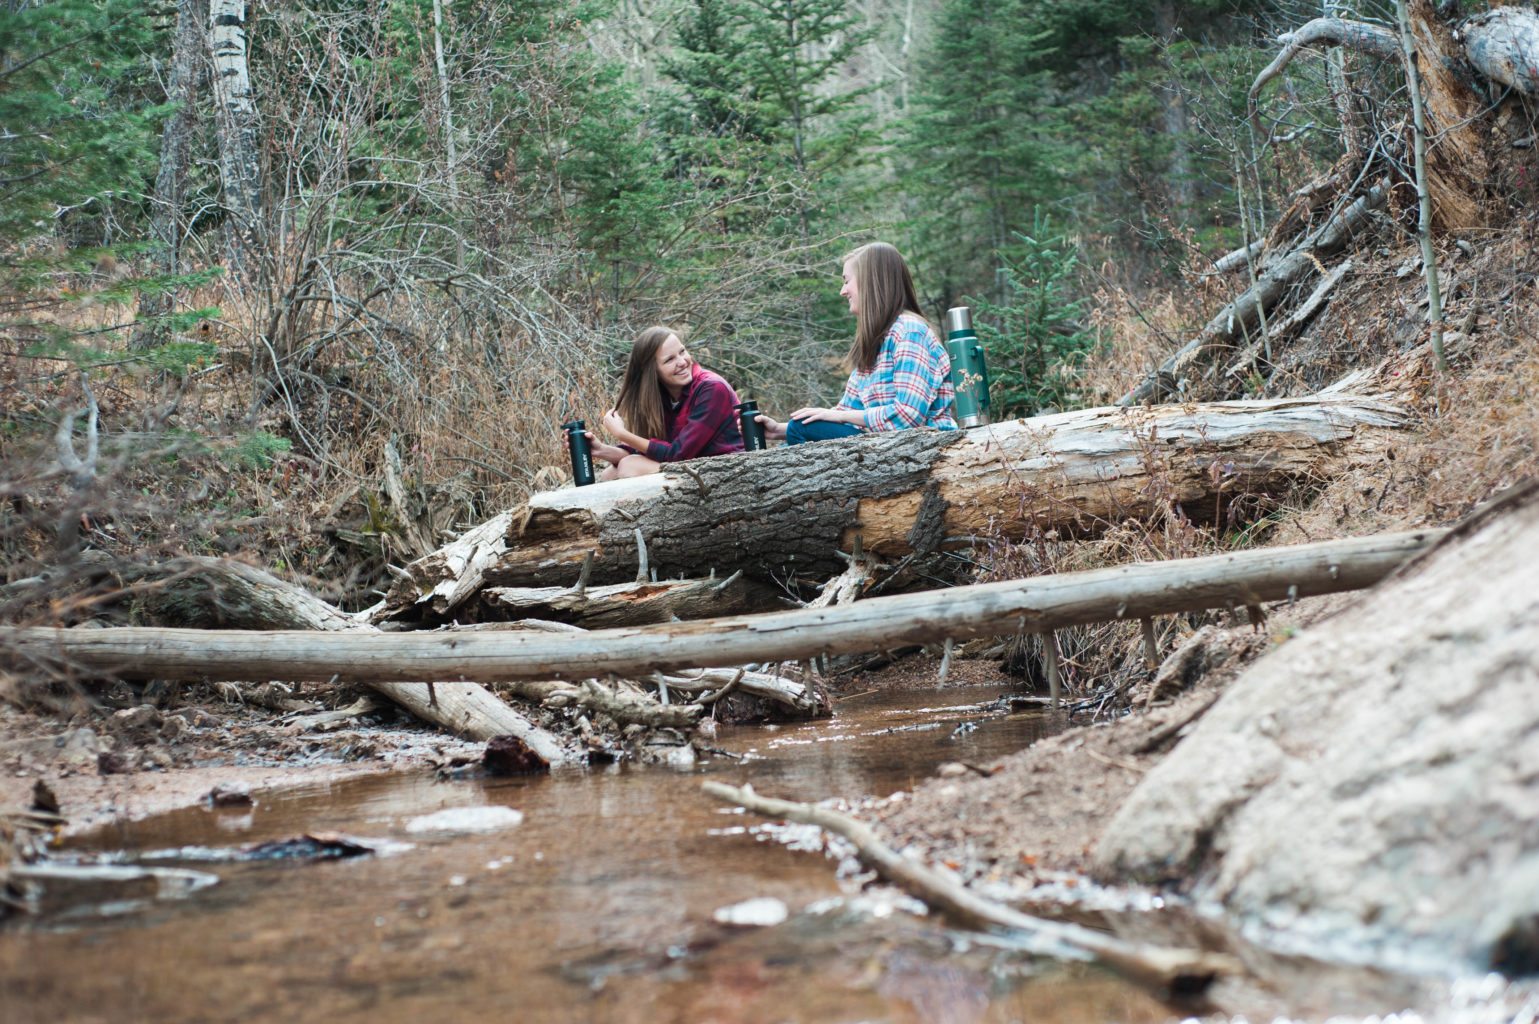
(885, 291)
(642, 404)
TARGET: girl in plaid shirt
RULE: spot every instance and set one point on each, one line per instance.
(900, 374)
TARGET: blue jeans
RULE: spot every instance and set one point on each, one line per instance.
(798, 432)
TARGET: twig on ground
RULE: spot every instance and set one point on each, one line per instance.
(1187, 972)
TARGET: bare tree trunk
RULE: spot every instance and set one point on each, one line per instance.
(1459, 158)
(1035, 605)
(1173, 114)
(189, 59)
(235, 110)
(909, 493)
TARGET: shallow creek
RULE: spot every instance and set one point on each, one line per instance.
(597, 907)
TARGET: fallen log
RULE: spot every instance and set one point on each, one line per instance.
(213, 592)
(708, 685)
(908, 493)
(1169, 971)
(635, 604)
(1037, 605)
(1242, 317)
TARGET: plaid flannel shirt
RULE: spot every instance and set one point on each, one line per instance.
(910, 386)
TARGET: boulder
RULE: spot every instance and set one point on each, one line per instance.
(1371, 787)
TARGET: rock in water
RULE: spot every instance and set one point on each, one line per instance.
(762, 912)
(467, 820)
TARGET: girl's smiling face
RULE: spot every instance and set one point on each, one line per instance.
(674, 366)
(850, 292)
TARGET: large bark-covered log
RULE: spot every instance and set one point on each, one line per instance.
(990, 609)
(793, 509)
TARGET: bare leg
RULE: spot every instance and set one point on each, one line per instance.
(636, 465)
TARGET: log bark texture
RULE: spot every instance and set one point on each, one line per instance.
(1017, 606)
(793, 509)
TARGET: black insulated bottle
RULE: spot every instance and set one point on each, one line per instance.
(581, 451)
(753, 430)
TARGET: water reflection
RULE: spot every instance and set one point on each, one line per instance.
(597, 907)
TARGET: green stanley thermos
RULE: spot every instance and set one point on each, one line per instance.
(969, 371)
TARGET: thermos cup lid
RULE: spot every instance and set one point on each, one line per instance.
(575, 425)
(959, 318)
(751, 404)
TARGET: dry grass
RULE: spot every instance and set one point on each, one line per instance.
(1478, 430)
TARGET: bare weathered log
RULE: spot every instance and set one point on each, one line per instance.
(443, 580)
(1016, 606)
(909, 493)
(1295, 319)
(708, 684)
(1503, 45)
(1242, 317)
(473, 711)
(636, 604)
(626, 709)
(215, 592)
(1166, 970)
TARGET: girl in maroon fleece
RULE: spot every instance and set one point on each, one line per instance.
(670, 409)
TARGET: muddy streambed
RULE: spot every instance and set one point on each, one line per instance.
(599, 906)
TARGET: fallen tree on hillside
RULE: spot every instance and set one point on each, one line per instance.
(793, 510)
(1476, 78)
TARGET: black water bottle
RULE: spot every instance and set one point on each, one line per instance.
(581, 451)
(753, 430)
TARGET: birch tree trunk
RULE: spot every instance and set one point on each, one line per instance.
(235, 110)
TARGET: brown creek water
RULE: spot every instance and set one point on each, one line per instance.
(597, 907)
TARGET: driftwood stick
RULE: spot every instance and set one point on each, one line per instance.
(1151, 646)
(1032, 605)
(1167, 970)
(1050, 664)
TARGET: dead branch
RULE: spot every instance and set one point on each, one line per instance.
(1244, 313)
(1354, 35)
(1165, 970)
